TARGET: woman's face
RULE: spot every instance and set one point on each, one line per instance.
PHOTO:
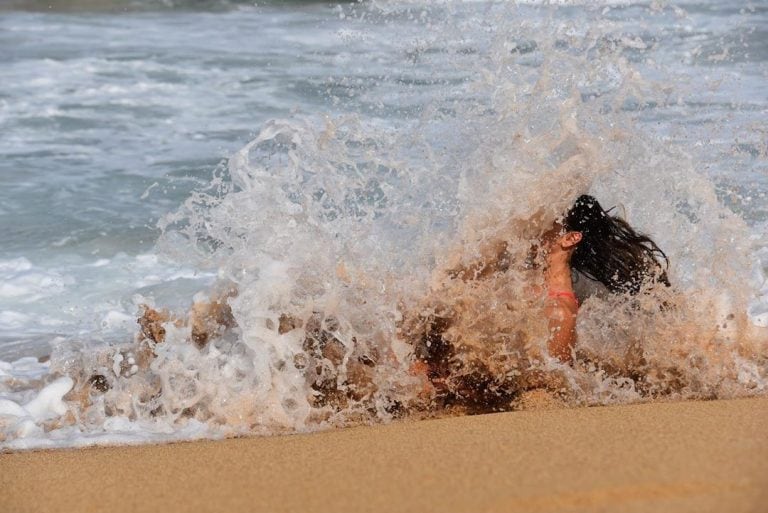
(555, 240)
(552, 237)
(540, 248)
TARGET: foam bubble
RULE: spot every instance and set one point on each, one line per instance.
(49, 402)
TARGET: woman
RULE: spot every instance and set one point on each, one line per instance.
(456, 350)
(603, 248)
(464, 369)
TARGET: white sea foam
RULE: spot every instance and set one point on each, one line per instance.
(48, 403)
(40, 301)
(22, 282)
(758, 307)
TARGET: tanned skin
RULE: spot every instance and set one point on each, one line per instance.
(559, 246)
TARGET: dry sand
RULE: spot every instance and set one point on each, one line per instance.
(673, 457)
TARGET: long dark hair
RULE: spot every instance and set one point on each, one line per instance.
(611, 251)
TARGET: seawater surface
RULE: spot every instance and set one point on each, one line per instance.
(324, 165)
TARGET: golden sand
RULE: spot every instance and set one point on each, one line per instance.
(663, 457)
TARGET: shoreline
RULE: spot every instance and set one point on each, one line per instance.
(684, 456)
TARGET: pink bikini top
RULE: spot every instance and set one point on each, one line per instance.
(563, 293)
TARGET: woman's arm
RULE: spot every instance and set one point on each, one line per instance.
(562, 328)
(495, 259)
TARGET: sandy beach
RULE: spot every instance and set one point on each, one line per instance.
(664, 457)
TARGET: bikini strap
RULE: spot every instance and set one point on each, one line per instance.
(554, 294)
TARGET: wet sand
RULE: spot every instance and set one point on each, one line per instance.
(664, 457)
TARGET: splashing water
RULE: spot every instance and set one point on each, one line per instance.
(335, 238)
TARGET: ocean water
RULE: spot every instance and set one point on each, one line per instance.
(324, 164)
